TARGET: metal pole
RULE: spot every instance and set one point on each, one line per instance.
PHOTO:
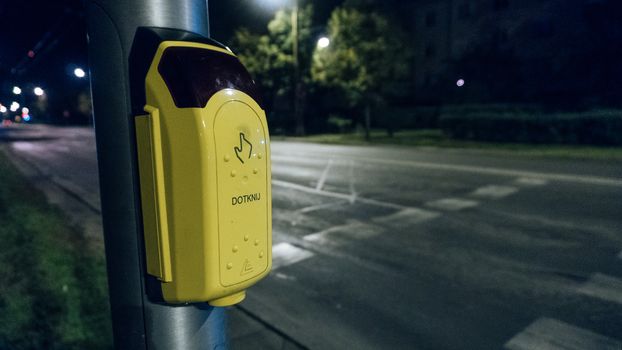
(298, 117)
(138, 323)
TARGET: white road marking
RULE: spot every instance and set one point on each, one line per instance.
(284, 254)
(294, 171)
(319, 207)
(586, 179)
(566, 225)
(452, 204)
(284, 276)
(354, 230)
(603, 287)
(530, 181)
(322, 179)
(550, 334)
(348, 197)
(406, 217)
(353, 193)
(494, 191)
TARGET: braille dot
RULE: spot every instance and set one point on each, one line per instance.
(259, 155)
(246, 238)
(235, 248)
(261, 254)
(232, 173)
(256, 242)
(255, 171)
(227, 158)
(229, 266)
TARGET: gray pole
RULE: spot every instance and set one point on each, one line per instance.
(138, 323)
(298, 116)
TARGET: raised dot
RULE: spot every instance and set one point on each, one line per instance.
(256, 242)
(227, 158)
(255, 171)
(259, 155)
(246, 238)
(233, 173)
(235, 248)
(229, 266)
(261, 254)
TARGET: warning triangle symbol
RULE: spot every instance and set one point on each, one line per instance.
(247, 267)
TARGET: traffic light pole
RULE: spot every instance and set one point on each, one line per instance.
(138, 323)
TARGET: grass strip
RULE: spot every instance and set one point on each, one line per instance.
(53, 293)
(435, 138)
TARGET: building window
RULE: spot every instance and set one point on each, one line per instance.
(430, 19)
(499, 5)
(430, 50)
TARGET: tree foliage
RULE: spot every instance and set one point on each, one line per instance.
(366, 59)
(270, 59)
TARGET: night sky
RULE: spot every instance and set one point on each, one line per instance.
(58, 27)
(56, 33)
(226, 16)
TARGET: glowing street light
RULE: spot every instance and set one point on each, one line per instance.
(17, 90)
(2, 109)
(14, 106)
(460, 83)
(38, 91)
(79, 72)
(323, 42)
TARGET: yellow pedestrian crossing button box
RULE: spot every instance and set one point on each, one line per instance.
(204, 165)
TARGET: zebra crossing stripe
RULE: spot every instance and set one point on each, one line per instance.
(603, 287)
(531, 181)
(551, 334)
(452, 204)
(494, 191)
(285, 254)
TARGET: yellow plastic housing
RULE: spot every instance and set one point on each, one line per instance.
(205, 189)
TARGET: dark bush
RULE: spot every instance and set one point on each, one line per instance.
(599, 127)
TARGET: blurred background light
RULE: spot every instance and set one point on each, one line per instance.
(14, 106)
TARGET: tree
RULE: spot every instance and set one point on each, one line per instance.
(270, 59)
(367, 59)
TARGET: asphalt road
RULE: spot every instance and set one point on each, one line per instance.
(400, 248)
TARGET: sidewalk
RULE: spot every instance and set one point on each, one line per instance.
(246, 330)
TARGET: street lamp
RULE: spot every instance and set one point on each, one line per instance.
(38, 91)
(17, 90)
(79, 72)
(323, 42)
(298, 117)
